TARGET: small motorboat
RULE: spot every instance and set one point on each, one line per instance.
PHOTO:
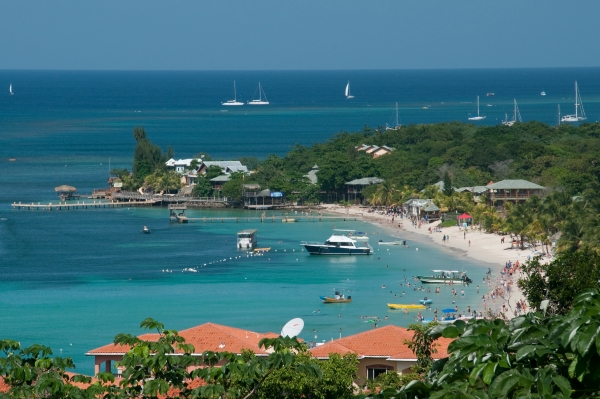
(405, 306)
(338, 298)
(262, 249)
(146, 230)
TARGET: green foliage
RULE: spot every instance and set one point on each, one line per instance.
(148, 157)
(213, 171)
(423, 346)
(163, 181)
(448, 189)
(559, 279)
(202, 188)
(233, 188)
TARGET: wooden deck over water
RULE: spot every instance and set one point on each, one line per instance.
(79, 205)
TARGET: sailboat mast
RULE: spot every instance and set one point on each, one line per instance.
(477, 105)
(234, 92)
(576, 101)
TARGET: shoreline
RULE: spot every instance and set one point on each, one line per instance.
(473, 244)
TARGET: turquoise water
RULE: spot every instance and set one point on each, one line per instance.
(74, 279)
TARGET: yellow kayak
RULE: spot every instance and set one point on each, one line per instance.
(403, 306)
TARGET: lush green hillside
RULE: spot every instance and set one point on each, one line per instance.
(564, 157)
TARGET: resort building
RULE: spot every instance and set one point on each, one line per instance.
(381, 350)
(375, 151)
(355, 187)
(181, 165)
(205, 337)
(216, 183)
(514, 191)
(255, 198)
(418, 208)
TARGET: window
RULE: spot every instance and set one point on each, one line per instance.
(374, 370)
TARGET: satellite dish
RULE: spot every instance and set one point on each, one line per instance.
(292, 328)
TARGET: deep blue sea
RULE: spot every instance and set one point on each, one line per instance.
(74, 279)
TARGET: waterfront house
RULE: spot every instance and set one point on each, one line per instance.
(216, 183)
(254, 198)
(381, 350)
(181, 165)
(355, 187)
(514, 191)
(205, 337)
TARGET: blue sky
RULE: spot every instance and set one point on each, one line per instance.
(308, 34)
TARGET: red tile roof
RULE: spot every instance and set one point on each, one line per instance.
(385, 342)
(205, 337)
(4, 387)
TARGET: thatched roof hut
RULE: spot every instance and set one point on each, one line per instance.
(65, 189)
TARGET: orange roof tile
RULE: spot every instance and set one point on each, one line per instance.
(205, 337)
(4, 387)
(386, 342)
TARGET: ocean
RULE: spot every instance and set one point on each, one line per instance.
(74, 279)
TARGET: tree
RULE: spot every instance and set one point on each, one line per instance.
(558, 280)
(202, 188)
(448, 189)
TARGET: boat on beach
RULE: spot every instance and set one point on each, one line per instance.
(446, 277)
(338, 244)
(405, 306)
(337, 298)
(246, 238)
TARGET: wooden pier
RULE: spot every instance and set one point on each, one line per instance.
(177, 214)
(80, 205)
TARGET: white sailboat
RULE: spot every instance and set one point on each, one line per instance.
(397, 125)
(348, 95)
(10, 89)
(261, 94)
(478, 117)
(516, 116)
(234, 101)
(579, 111)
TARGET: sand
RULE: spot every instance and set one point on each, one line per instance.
(484, 247)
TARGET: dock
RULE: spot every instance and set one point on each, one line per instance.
(64, 205)
(177, 214)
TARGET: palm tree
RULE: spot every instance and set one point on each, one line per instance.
(387, 191)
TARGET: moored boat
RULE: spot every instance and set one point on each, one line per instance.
(338, 244)
(146, 230)
(446, 277)
(338, 298)
(246, 238)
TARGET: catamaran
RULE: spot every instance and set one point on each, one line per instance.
(234, 101)
(261, 94)
(516, 116)
(478, 117)
(579, 112)
(10, 89)
(348, 95)
(397, 125)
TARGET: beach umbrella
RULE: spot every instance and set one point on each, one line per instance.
(465, 216)
(65, 189)
(449, 310)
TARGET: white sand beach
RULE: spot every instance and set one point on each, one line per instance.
(486, 248)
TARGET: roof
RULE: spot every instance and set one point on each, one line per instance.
(514, 185)
(205, 337)
(65, 189)
(365, 181)
(431, 208)
(221, 178)
(380, 342)
(231, 166)
(264, 193)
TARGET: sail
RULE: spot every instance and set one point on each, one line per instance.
(347, 89)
